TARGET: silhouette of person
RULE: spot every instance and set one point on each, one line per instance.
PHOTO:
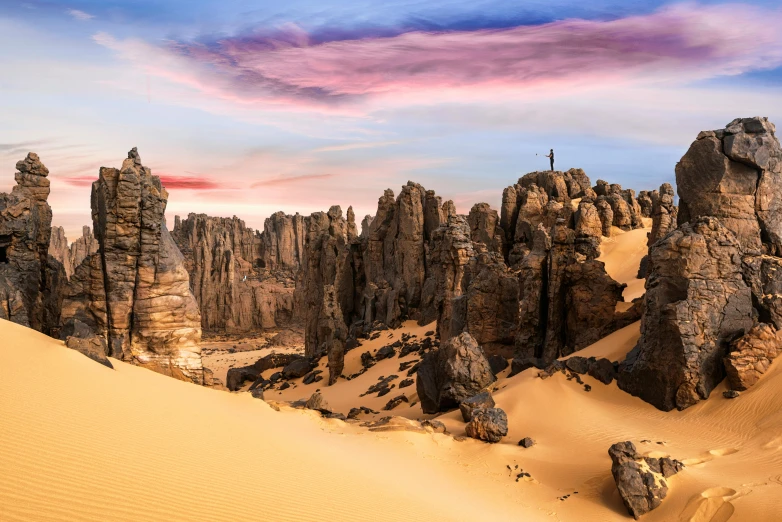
(551, 157)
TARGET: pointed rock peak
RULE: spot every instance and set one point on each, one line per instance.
(134, 155)
(32, 165)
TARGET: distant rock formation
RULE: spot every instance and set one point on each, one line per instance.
(243, 281)
(30, 279)
(71, 256)
(716, 276)
(135, 291)
(59, 250)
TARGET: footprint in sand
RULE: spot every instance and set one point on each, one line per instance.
(709, 456)
(713, 505)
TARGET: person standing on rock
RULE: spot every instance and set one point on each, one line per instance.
(551, 158)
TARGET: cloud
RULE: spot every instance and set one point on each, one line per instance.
(356, 146)
(187, 182)
(290, 180)
(80, 15)
(676, 45)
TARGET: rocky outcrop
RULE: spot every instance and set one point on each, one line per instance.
(714, 277)
(641, 481)
(696, 303)
(329, 275)
(751, 356)
(30, 279)
(135, 291)
(242, 280)
(456, 371)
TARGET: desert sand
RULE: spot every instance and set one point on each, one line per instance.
(79, 441)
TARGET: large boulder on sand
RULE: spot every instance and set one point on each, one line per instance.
(641, 480)
(488, 424)
(454, 372)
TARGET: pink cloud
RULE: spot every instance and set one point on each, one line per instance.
(169, 182)
(679, 44)
(290, 180)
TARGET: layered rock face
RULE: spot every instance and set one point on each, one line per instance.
(30, 279)
(71, 256)
(135, 290)
(242, 280)
(711, 280)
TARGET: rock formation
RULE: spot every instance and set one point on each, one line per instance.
(30, 279)
(714, 277)
(71, 256)
(641, 481)
(456, 371)
(242, 280)
(135, 291)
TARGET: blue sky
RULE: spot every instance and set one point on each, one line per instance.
(247, 107)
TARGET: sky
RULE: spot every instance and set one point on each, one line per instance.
(249, 107)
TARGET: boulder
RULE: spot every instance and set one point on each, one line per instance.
(641, 481)
(299, 367)
(526, 442)
(490, 425)
(476, 402)
(317, 402)
(751, 356)
(452, 373)
(93, 347)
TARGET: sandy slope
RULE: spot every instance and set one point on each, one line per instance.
(622, 254)
(81, 442)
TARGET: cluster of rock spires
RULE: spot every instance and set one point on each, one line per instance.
(523, 283)
(713, 303)
(71, 255)
(243, 280)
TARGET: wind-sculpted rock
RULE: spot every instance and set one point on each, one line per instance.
(734, 174)
(664, 214)
(488, 424)
(696, 303)
(452, 251)
(456, 371)
(646, 203)
(135, 290)
(752, 355)
(30, 279)
(93, 347)
(641, 481)
(484, 227)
